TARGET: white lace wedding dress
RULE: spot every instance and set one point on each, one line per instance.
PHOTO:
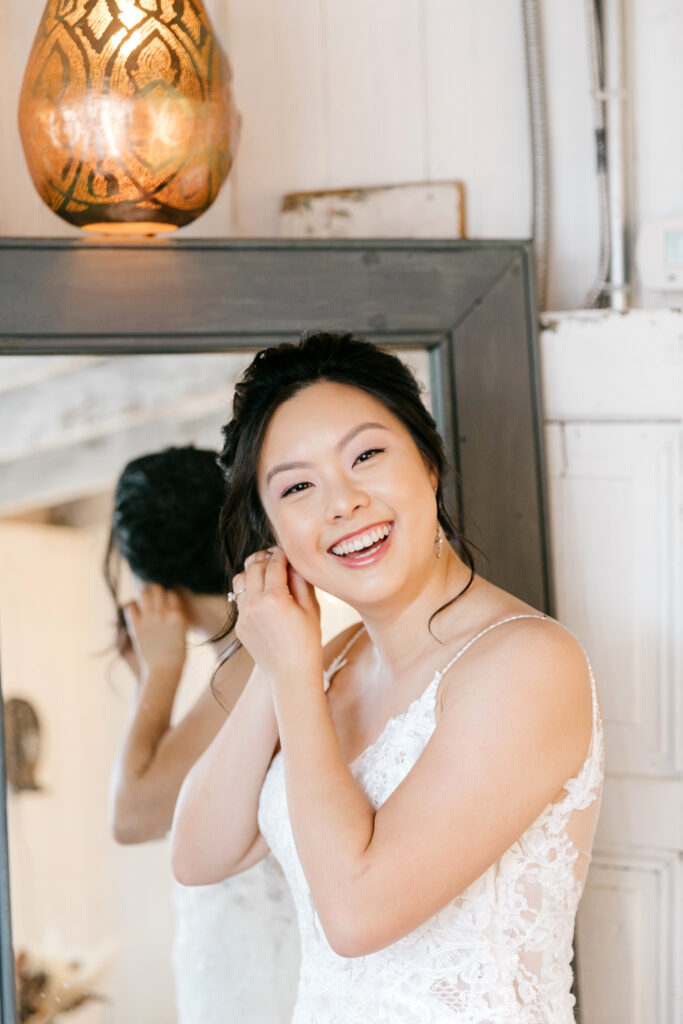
(497, 954)
(236, 952)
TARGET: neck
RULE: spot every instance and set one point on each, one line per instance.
(207, 615)
(399, 631)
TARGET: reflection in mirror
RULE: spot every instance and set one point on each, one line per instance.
(102, 932)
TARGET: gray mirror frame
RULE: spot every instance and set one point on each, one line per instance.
(470, 303)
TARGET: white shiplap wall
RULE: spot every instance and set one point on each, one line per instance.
(339, 93)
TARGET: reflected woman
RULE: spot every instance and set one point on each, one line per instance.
(430, 781)
(236, 951)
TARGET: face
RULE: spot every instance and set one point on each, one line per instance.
(338, 472)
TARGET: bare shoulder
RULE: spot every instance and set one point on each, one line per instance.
(541, 650)
(531, 669)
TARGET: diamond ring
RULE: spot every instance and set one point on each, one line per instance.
(233, 597)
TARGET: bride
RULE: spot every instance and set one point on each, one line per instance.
(430, 781)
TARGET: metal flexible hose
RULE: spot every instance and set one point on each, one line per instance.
(533, 45)
(596, 76)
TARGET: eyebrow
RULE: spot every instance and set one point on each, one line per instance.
(340, 444)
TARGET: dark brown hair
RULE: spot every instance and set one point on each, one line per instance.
(276, 375)
(164, 523)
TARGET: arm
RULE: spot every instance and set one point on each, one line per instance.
(215, 827)
(155, 756)
(514, 729)
(511, 733)
(215, 830)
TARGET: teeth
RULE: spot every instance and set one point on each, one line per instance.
(367, 540)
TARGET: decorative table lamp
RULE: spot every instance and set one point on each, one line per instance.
(126, 113)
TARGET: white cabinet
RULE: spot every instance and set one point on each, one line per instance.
(615, 504)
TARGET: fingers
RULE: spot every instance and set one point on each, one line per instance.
(276, 570)
(258, 556)
(271, 570)
(252, 578)
(302, 591)
(155, 609)
(157, 600)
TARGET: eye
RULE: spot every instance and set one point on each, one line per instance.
(364, 456)
(295, 488)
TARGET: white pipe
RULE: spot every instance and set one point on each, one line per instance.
(595, 70)
(615, 94)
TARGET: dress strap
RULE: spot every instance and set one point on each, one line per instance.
(340, 659)
(597, 722)
(524, 615)
(227, 653)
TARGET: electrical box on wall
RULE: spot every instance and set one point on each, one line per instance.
(659, 255)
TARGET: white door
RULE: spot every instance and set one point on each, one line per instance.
(615, 499)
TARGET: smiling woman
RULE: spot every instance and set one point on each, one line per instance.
(433, 804)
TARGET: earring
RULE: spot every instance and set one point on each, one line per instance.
(438, 540)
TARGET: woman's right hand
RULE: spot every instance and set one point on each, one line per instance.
(157, 626)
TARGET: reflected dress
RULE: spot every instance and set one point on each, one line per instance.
(236, 950)
(500, 952)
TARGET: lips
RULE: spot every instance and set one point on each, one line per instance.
(361, 538)
(363, 547)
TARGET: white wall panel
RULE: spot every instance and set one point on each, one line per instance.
(656, 42)
(613, 407)
(374, 83)
(279, 58)
(629, 929)
(574, 248)
(600, 365)
(477, 120)
(615, 499)
(340, 93)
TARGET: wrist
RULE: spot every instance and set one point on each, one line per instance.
(304, 672)
(160, 675)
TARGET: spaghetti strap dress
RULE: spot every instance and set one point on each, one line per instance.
(501, 951)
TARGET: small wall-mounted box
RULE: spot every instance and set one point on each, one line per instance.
(659, 254)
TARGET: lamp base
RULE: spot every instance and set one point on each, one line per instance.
(138, 227)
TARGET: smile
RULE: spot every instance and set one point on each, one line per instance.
(363, 548)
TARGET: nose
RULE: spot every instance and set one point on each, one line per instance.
(344, 498)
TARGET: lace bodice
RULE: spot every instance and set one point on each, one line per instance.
(236, 952)
(497, 954)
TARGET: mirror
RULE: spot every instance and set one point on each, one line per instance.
(75, 406)
(73, 698)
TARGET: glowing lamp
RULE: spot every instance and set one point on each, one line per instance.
(126, 114)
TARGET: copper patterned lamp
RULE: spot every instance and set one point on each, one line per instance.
(126, 114)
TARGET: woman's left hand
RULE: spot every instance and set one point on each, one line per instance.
(279, 615)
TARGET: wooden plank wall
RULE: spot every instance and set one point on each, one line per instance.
(342, 93)
(338, 93)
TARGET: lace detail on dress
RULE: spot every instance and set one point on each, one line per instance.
(236, 952)
(500, 952)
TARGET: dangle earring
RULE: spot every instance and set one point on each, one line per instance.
(438, 540)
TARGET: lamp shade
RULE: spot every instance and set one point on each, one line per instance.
(126, 114)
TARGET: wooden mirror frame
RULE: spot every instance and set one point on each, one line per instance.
(470, 303)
